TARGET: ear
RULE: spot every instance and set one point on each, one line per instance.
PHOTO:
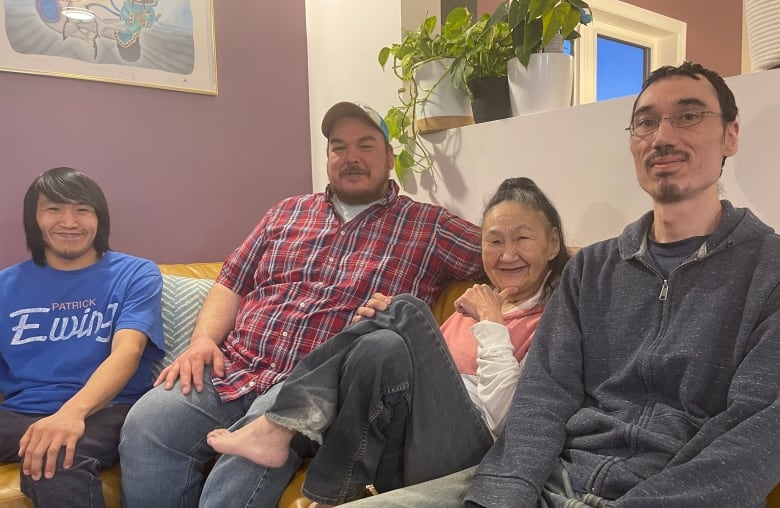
(555, 243)
(390, 156)
(731, 139)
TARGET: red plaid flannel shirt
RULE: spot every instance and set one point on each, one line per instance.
(303, 272)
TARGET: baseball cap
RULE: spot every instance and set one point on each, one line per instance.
(353, 108)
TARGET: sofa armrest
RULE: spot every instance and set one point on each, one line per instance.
(444, 305)
(773, 501)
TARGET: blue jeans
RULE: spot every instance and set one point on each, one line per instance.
(388, 404)
(164, 453)
(80, 485)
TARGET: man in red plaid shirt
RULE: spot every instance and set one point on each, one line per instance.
(294, 282)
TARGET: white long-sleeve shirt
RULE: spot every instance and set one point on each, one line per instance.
(499, 357)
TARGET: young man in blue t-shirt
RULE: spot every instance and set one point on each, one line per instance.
(80, 326)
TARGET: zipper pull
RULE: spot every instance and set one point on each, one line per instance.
(664, 291)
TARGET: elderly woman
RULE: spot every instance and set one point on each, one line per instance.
(394, 400)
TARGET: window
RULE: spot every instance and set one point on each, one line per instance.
(621, 68)
(622, 44)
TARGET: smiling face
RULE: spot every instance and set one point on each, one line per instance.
(359, 161)
(677, 164)
(518, 244)
(68, 231)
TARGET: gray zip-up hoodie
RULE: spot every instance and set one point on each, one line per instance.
(653, 392)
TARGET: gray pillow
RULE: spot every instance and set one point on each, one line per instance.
(182, 298)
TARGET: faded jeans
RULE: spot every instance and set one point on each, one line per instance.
(164, 452)
(450, 491)
(388, 404)
(80, 485)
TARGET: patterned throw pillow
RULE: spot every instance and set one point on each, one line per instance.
(182, 298)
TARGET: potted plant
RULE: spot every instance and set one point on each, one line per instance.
(535, 23)
(539, 28)
(420, 52)
(487, 50)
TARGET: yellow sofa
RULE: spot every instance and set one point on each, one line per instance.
(11, 496)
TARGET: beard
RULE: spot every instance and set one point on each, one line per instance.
(360, 197)
(667, 193)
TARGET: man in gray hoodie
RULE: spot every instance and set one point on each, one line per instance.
(652, 380)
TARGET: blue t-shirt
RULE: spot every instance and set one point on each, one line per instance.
(56, 328)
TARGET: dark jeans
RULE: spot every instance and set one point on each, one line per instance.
(387, 403)
(79, 486)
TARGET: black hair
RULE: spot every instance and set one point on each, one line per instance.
(726, 101)
(64, 185)
(524, 191)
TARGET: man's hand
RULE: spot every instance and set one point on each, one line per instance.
(375, 303)
(483, 303)
(189, 365)
(44, 438)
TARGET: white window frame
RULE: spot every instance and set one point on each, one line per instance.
(664, 36)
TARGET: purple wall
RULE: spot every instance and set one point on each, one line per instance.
(186, 175)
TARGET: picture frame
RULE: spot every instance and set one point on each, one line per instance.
(166, 44)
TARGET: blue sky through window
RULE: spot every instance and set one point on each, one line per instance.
(620, 68)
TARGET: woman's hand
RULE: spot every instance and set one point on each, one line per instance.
(375, 303)
(482, 302)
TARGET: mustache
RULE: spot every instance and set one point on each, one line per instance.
(664, 151)
(353, 170)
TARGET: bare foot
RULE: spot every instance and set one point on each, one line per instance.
(261, 441)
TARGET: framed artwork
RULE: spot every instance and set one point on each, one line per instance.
(165, 44)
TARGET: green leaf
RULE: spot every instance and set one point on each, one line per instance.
(524, 58)
(553, 21)
(458, 74)
(579, 4)
(456, 21)
(532, 37)
(570, 22)
(403, 163)
(384, 54)
(499, 15)
(405, 159)
(538, 8)
(428, 26)
(518, 10)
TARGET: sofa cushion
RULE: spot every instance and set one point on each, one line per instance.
(182, 298)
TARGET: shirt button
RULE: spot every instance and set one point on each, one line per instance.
(302, 305)
(251, 383)
(284, 334)
(273, 365)
(330, 259)
(342, 233)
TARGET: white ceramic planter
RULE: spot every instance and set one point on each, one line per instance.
(546, 83)
(445, 107)
(763, 31)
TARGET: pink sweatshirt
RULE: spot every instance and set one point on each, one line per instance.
(463, 346)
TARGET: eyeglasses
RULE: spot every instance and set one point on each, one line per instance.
(642, 126)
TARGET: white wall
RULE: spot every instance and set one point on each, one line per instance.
(580, 157)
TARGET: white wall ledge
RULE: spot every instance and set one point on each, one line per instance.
(580, 157)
